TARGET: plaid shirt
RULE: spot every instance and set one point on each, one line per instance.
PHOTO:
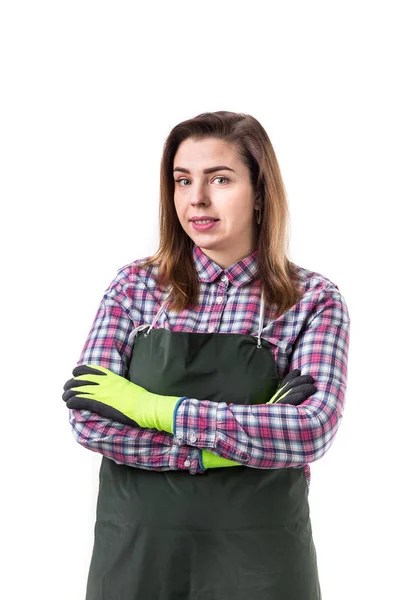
(313, 336)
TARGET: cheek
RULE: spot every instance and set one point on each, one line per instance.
(240, 217)
(179, 209)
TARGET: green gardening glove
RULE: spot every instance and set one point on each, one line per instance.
(96, 388)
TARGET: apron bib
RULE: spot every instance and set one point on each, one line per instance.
(234, 533)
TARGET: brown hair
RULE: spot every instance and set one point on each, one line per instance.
(174, 256)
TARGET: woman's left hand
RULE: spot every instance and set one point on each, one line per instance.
(294, 389)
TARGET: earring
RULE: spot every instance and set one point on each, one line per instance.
(258, 215)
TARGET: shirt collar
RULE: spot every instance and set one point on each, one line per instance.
(240, 273)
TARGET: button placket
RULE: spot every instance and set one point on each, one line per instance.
(215, 318)
(220, 299)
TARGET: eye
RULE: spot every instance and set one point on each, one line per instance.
(182, 179)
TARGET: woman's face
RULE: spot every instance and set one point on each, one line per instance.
(225, 194)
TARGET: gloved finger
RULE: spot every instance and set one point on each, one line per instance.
(75, 383)
(72, 393)
(298, 395)
(293, 383)
(302, 388)
(299, 381)
(305, 388)
(291, 375)
(101, 409)
(68, 384)
(294, 399)
(86, 370)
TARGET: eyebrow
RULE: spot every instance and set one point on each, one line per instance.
(206, 171)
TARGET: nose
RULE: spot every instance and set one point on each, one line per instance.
(199, 195)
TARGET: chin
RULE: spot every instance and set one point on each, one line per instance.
(203, 243)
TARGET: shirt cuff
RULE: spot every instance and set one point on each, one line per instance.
(195, 423)
(185, 459)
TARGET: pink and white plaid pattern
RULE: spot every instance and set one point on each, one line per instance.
(312, 336)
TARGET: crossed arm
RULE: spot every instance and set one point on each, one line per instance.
(260, 436)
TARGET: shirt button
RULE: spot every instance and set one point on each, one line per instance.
(219, 299)
(187, 463)
(211, 329)
(224, 278)
(193, 438)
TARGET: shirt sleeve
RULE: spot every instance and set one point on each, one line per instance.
(272, 436)
(107, 345)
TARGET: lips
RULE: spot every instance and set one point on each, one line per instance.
(204, 224)
(203, 219)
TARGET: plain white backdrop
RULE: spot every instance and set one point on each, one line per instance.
(89, 92)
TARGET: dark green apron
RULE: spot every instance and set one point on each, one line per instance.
(234, 533)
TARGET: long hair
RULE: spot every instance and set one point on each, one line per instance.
(276, 272)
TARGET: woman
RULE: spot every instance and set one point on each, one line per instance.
(196, 384)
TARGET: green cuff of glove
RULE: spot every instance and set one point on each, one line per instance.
(212, 461)
(100, 390)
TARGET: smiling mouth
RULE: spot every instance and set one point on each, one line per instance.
(201, 221)
(204, 224)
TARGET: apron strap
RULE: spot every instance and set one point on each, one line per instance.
(133, 333)
(261, 321)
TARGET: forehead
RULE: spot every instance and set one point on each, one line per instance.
(199, 154)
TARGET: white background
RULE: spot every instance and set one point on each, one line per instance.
(89, 92)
